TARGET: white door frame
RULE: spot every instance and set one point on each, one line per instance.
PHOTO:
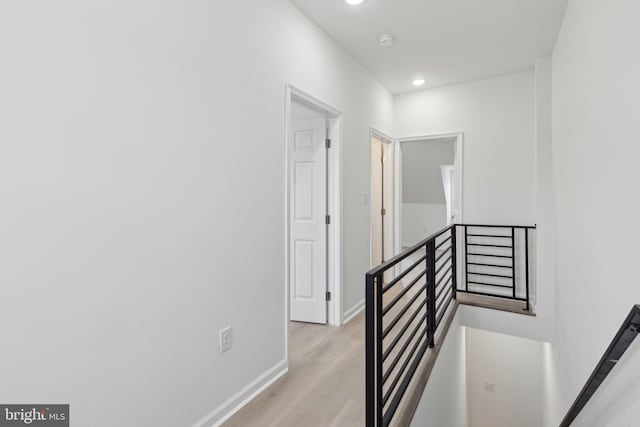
(458, 184)
(334, 199)
(373, 132)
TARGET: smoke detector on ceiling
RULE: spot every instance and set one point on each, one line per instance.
(386, 40)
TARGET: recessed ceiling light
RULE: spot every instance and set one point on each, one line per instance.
(418, 82)
(354, 2)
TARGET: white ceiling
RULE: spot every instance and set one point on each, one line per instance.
(444, 41)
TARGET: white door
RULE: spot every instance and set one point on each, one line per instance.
(308, 242)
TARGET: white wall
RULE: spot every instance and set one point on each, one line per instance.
(514, 366)
(444, 401)
(544, 283)
(552, 390)
(420, 220)
(138, 141)
(421, 173)
(497, 118)
(595, 156)
(506, 123)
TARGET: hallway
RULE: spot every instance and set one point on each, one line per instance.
(150, 170)
(324, 385)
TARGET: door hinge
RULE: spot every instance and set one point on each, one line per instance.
(328, 295)
(328, 143)
(327, 219)
(383, 211)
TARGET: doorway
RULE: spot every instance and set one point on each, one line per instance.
(313, 288)
(381, 197)
(429, 187)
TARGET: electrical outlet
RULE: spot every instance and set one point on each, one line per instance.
(365, 198)
(226, 339)
(489, 386)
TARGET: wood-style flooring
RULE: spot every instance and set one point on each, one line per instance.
(324, 385)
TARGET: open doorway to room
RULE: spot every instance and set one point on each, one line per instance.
(313, 291)
(381, 199)
(430, 186)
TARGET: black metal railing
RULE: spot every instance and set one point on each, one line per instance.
(408, 296)
(496, 261)
(619, 345)
(406, 299)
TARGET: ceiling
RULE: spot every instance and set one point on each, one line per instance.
(443, 41)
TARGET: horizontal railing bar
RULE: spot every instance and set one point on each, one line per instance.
(444, 252)
(489, 246)
(403, 368)
(488, 235)
(393, 406)
(489, 265)
(491, 275)
(442, 289)
(396, 259)
(490, 255)
(443, 264)
(402, 293)
(498, 226)
(402, 312)
(443, 277)
(492, 295)
(404, 329)
(491, 284)
(443, 242)
(419, 326)
(440, 305)
(404, 273)
(442, 313)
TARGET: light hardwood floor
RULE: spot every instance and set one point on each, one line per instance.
(324, 385)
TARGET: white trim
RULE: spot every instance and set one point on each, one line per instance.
(375, 132)
(439, 135)
(459, 177)
(236, 402)
(312, 101)
(335, 230)
(334, 234)
(353, 312)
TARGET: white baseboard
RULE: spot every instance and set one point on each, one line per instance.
(236, 402)
(352, 312)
